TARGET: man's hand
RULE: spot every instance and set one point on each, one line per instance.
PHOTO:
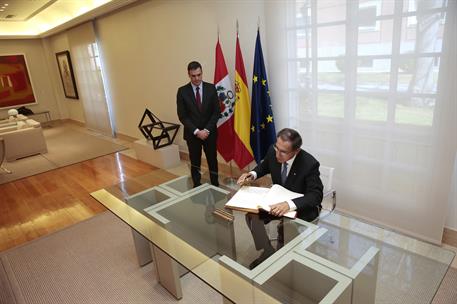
(279, 209)
(244, 178)
(202, 134)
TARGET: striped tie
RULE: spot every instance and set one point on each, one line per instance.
(284, 173)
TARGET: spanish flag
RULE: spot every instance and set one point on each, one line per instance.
(242, 152)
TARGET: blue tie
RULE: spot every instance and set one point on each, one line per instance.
(284, 174)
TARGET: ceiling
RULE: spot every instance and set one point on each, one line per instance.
(41, 18)
(21, 10)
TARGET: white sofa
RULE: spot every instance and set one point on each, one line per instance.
(13, 119)
(25, 138)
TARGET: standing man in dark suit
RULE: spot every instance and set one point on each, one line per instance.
(198, 110)
(294, 169)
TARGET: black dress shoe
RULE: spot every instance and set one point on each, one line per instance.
(265, 255)
(255, 263)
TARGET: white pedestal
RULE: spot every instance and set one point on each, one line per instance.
(165, 157)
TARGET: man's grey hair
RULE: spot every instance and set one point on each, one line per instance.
(291, 136)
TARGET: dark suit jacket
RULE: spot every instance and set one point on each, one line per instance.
(189, 114)
(303, 178)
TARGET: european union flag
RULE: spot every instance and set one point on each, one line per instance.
(263, 133)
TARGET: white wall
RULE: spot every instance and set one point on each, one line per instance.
(147, 47)
(276, 44)
(69, 108)
(42, 65)
(37, 65)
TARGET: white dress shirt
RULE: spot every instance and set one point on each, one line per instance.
(292, 206)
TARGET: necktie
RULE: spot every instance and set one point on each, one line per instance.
(198, 98)
(284, 173)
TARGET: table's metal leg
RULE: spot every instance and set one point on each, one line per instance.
(142, 248)
(167, 272)
(364, 285)
(225, 233)
(182, 270)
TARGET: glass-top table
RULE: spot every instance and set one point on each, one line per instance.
(338, 259)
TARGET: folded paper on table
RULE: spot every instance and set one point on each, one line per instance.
(251, 199)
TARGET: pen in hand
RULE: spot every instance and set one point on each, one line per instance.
(245, 178)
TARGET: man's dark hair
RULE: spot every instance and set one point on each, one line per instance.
(193, 65)
(292, 136)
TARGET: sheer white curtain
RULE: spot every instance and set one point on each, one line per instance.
(371, 86)
(87, 65)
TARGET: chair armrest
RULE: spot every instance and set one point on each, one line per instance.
(324, 212)
(331, 193)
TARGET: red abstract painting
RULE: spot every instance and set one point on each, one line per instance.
(15, 86)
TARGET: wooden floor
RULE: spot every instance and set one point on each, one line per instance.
(40, 204)
(47, 202)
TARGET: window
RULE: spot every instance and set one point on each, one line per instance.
(336, 59)
(368, 11)
(94, 57)
(369, 94)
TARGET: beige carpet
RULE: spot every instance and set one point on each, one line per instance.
(95, 262)
(447, 293)
(91, 262)
(66, 145)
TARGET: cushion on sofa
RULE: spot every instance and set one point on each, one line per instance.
(21, 125)
(32, 123)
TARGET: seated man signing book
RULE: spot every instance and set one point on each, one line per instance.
(295, 170)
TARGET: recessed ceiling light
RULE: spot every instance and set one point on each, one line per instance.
(6, 4)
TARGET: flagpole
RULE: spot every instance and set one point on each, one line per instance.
(230, 181)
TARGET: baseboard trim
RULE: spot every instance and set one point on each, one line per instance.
(224, 168)
(72, 121)
(83, 125)
(450, 237)
(126, 137)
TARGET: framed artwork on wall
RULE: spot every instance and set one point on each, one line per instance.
(15, 84)
(66, 74)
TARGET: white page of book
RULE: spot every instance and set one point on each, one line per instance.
(278, 194)
(248, 197)
(259, 197)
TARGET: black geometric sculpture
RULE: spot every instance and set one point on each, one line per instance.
(157, 130)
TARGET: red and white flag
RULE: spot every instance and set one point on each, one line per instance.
(225, 132)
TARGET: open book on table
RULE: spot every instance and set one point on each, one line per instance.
(251, 199)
